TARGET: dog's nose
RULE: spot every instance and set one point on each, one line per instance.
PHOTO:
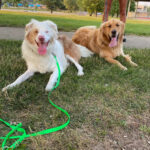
(41, 38)
(113, 32)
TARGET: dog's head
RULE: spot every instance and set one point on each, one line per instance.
(112, 32)
(40, 34)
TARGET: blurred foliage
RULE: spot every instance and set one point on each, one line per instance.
(92, 6)
(71, 5)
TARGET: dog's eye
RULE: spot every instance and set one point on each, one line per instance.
(117, 25)
(46, 31)
(36, 31)
(109, 26)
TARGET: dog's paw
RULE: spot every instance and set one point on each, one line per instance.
(124, 68)
(134, 64)
(48, 88)
(4, 89)
(7, 87)
(80, 73)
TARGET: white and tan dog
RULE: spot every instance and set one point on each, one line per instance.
(40, 45)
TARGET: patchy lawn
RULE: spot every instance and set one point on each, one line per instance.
(68, 22)
(109, 107)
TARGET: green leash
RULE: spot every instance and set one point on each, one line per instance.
(18, 128)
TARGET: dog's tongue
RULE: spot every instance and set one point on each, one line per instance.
(113, 42)
(42, 48)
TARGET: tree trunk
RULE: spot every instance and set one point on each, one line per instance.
(128, 8)
(96, 13)
(90, 14)
(136, 9)
(0, 4)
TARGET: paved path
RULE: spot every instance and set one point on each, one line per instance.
(133, 41)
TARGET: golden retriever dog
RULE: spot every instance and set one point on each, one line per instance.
(106, 41)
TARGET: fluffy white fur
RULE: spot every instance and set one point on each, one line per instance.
(45, 63)
(84, 51)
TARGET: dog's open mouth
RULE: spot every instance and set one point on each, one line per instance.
(113, 41)
(42, 47)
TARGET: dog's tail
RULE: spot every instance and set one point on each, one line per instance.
(84, 51)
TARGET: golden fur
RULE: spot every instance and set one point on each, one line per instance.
(98, 39)
(32, 35)
(70, 48)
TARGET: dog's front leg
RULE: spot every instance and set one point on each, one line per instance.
(128, 59)
(19, 80)
(113, 61)
(52, 80)
(78, 66)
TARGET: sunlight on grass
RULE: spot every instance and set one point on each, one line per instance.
(67, 15)
(68, 22)
(71, 16)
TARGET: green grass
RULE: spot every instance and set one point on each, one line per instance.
(64, 23)
(68, 22)
(100, 103)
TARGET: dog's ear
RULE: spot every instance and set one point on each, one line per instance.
(103, 25)
(52, 25)
(102, 28)
(122, 25)
(30, 25)
(103, 37)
